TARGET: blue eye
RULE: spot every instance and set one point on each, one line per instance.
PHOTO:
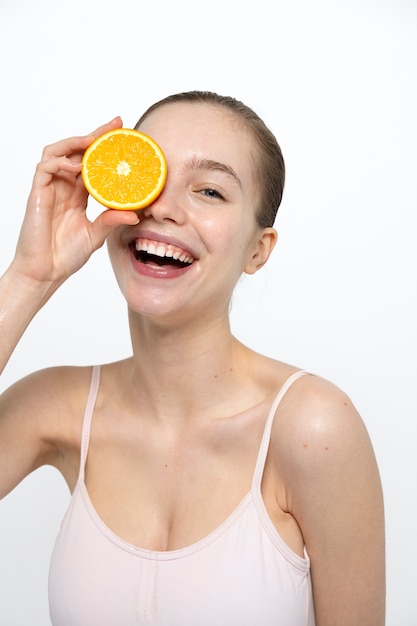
(212, 193)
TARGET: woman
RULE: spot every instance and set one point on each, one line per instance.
(216, 486)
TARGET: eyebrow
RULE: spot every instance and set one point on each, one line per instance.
(209, 164)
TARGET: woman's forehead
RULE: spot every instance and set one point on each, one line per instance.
(197, 119)
(202, 130)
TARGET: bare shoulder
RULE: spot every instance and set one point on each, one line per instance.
(40, 420)
(50, 401)
(330, 485)
(315, 421)
(312, 407)
(320, 442)
(43, 391)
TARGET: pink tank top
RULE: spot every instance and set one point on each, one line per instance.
(242, 574)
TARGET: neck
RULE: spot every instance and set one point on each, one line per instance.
(186, 369)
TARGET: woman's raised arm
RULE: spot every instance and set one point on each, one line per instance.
(56, 237)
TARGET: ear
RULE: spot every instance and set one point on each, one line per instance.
(264, 245)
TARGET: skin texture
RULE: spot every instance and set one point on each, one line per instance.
(177, 426)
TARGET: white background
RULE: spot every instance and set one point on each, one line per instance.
(336, 82)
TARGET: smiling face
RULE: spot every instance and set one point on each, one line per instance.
(193, 243)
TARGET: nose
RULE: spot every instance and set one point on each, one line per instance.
(166, 207)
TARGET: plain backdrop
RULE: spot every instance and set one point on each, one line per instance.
(336, 82)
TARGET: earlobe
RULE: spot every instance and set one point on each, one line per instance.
(263, 248)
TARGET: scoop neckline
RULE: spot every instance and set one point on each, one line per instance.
(161, 555)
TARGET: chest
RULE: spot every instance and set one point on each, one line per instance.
(236, 576)
(163, 492)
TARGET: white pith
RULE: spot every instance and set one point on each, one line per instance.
(123, 168)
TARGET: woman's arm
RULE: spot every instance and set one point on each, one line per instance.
(334, 492)
(56, 239)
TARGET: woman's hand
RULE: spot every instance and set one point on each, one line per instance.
(56, 238)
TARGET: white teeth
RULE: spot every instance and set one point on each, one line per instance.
(162, 250)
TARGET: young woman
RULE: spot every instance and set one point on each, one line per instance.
(211, 485)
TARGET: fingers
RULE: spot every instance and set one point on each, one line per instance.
(74, 147)
(115, 123)
(48, 168)
(62, 160)
(108, 221)
(67, 147)
(59, 164)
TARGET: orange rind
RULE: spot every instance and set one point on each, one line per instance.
(124, 169)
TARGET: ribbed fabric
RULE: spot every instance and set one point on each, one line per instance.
(242, 574)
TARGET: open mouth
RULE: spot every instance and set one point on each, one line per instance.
(158, 253)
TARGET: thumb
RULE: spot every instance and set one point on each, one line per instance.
(108, 221)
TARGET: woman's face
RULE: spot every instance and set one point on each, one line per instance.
(193, 243)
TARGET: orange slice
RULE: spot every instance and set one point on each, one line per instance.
(124, 169)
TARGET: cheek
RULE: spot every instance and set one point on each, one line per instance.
(223, 230)
(225, 243)
(118, 256)
(232, 242)
(110, 243)
(116, 242)
(112, 249)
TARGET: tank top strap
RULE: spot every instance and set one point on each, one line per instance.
(88, 414)
(266, 437)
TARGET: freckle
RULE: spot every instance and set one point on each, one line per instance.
(345, 403)
(326, 448)
(216, 375)
(305, 445)
(166, 465)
